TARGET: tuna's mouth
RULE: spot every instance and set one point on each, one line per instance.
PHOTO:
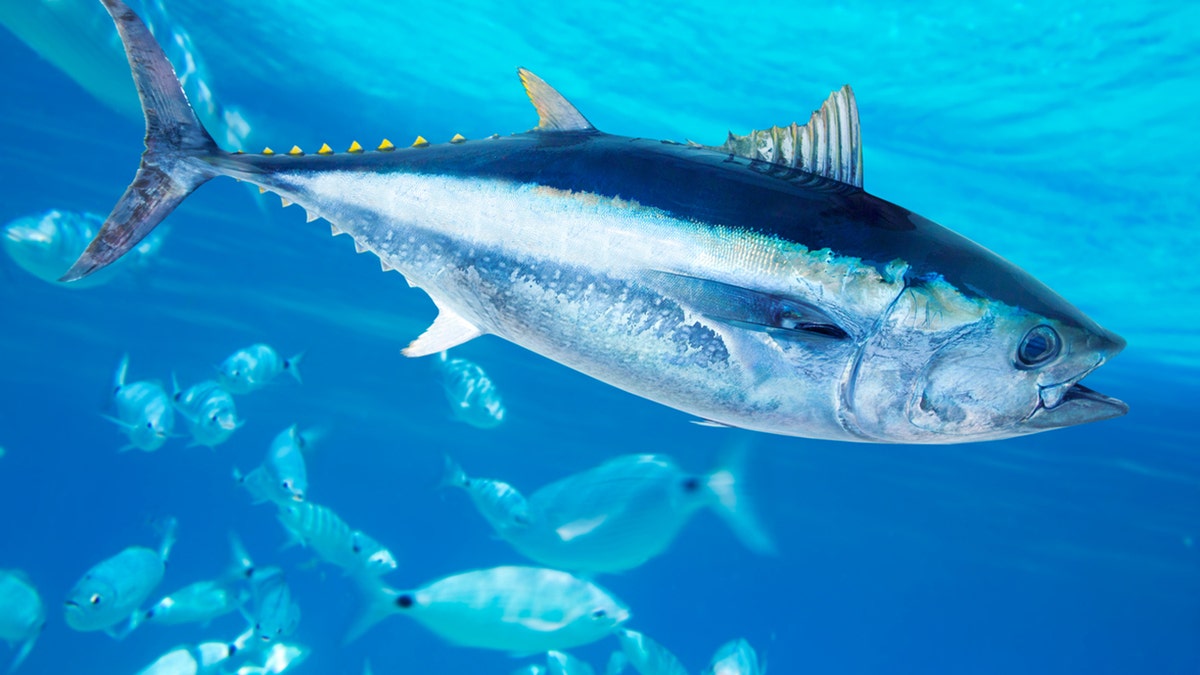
(1068, 404)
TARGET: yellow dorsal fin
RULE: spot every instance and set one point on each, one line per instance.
(355, 147)
(295, 151)
(268, 151)
(325, 149)
(458, 138)
(386, 146)
(420, 142)
(555, 113)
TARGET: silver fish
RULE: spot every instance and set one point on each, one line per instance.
(561, 663)
(275, 614)
(471, 393)
(203, 601)
(206, 657)
(520, 610)
(319, 527)
(647, 656)
(144, 411)
(736, 657)
(285, 462)
(45, 245)
(279, 658)
(531, 669)
(22, 614)
(618, 663)
(208, 410)
(111, 591)
(615, 516)
(252, 368)
(753, 284)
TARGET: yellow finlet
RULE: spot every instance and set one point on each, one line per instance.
(268, 151)
(355, 147)
(420, 142)
(386, 146)
(458, 138)
(284, 202)
(262, 190)
(238, 152)
(325, 149)
(295, 151)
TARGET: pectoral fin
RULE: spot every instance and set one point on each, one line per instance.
(448, 330)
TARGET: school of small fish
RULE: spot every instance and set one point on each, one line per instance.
(605, 520)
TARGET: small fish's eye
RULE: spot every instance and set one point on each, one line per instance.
(287, 485)
(691, 484)
(149, 425)
(213, 417)
(599, 614)
(404, 601)
(95, 599)
(1039, 345)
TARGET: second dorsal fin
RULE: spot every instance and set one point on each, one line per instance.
(829, 145)
(555, 113)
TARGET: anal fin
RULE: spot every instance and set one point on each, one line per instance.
(448, 330)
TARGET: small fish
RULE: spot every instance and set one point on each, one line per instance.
(112, 590)
(735, 657)
(44, 245)
(22, 614)
(531, 669)
(278, 659)
(208, 410)
(203, 601)
(615, 516)
(561, 663)
(472, 394)
(285, 462)
(322, 529)
(275, 614)
(647, 656)
(520, 610)
(501, 504)
(205, 657)
(618, 663)
(144, 411)
(250, 369)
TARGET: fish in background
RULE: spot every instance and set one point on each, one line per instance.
(113, 589)
(199, 659)
(22, 614)
(320, 528)
(531, 669)
(44, 245)
(562, 663)
(735, 657)
(617, 663)
(207, 410)
(203, 601)
(274, 614)
(616, 516)
(144, 410)
(283, 474)
(519, 610)
(647, 656)
(252, 368)
(279, 658)
(472, 395)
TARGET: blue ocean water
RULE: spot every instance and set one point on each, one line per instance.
(1056, 134)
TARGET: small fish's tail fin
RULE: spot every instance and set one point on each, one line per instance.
(734, 506)
(453, 475)
(23, 652)
(122, 371)
(381, 600)
(168, 527)
(292, 366)
(177, 147)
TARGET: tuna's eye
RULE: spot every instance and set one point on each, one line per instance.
(1038, 346)
(599, 614)
(95, 599)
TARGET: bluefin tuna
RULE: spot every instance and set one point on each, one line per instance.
(752, 284)
(22, 614)
(520, 610)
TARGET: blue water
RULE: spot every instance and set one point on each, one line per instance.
(1059, 134)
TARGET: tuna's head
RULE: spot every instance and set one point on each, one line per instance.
(90, 604)
(946, 368)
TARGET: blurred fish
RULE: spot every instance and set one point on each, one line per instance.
(208, 411)
(736, 657)
(531, 669)
(275, 614)
(200, 659)
(647, 656)
(252, 368)
(278, 658)
(319, 527)
(22, 614)
(617, 664)
(520, 610)
(561, 663)
(45, 245)
(112, 590)
(144, 411)
(203, 601)
(285, 461)
(615, 516)
(472, 394)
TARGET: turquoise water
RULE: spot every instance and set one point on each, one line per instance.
(1055, 134)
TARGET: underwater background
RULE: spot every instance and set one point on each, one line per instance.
(1058, 134)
